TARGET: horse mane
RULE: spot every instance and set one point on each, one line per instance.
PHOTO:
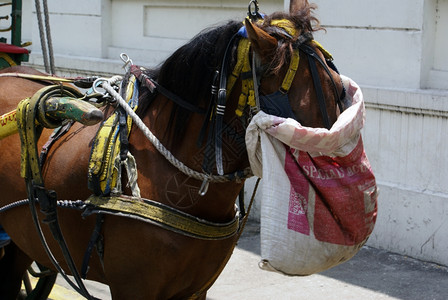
(189, 71)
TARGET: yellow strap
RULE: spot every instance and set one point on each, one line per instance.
(36, 77)
(130, 93)
(167, 217)
(31, 119)
(8, 124)
(21, 124)
(323, 50)
(294, 65)
(287, 25)
(8, 59)
(289, 77)
(243, 65)
(100, 144)
(106, 147)
(242, 53)
(247, 95)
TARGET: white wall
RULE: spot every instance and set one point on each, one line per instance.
(89, 35)
(405, 139)
(395, 49)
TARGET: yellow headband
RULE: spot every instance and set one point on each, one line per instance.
(287, 25)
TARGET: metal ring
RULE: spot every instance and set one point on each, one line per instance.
(253, 14)
(126, 60)
(97, 83)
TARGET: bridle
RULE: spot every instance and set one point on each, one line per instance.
(250, 81)
(304, 44)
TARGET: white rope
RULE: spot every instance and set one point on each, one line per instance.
(107, 84)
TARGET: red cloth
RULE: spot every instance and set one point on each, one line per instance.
(7, 48)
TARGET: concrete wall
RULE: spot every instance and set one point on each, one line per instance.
(395, 49)
(89, 35)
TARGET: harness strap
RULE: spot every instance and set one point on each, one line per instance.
(110, 142)
(176, 99)
(221, 106)
(207, 162)
(289, 77)
(286, 25)
(319, 91)
(242, 67)
(93, 241)
(56, 135)
(39, 77)
(324, 51)
(310, 52)
(242, 51)
(209, 114)
(27, 112)
(162, 215)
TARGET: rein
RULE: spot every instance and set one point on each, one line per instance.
(82, 82)
(36, 77)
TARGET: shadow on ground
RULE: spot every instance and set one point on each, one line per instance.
(387, 273)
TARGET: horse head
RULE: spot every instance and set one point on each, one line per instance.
(281, 38)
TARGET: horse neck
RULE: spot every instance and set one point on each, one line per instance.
(165, 183)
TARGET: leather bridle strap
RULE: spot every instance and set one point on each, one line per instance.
(309, 51)
(151, 83)
(221, 105)
(319, 91)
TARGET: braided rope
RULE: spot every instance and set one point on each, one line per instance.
(73, 204)
(14, 204)
(107, 84)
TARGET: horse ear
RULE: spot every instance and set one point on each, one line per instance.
(264, 44)
(296, 5)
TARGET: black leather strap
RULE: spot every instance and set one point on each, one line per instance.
(176, 99)
(93, 241)
(221, 105)
(309, 51)
(150, 83)
(319, 91)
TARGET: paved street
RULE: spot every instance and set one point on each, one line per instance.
(371, 274)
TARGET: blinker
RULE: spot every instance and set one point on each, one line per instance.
(277, 104)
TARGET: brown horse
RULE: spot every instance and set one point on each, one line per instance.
(141, 260)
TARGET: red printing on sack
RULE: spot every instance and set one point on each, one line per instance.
(345, 196)
(298, 197)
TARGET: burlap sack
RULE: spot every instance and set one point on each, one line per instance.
(319, 200)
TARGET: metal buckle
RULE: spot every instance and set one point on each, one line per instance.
(254, 14)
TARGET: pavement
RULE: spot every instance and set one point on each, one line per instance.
(371, 275)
